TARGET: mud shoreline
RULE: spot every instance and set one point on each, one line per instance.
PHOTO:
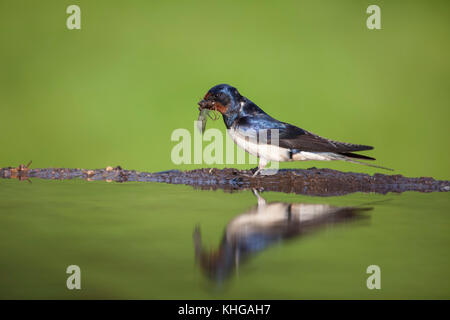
(316, 182)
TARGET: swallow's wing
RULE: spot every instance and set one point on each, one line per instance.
(292, 137)
(295, 138)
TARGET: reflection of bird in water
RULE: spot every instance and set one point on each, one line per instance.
(262, 226)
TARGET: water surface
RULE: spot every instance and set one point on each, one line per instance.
(159, 241)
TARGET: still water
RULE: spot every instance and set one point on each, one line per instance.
(160, 241)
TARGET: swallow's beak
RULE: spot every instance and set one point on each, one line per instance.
(204, 104)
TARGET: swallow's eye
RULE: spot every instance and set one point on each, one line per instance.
(221, 96)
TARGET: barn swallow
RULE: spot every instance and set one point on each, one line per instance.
(245, 122)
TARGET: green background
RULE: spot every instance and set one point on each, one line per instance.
(135, 241)
(113, 92)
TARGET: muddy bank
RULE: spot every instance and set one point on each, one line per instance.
(318, 182)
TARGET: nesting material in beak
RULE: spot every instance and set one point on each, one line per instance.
(205, 108)
(202, 117)
(203, 104)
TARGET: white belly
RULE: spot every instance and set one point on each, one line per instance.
(309, 156)
(273, 215)
(266, 151)
(273, 152)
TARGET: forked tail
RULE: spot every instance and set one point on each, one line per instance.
(363, 163)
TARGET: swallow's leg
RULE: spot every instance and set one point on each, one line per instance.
(236, 261)
(261, 165)
(261, 200)
(197, 242)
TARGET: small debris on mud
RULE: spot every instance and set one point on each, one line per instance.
(316, 182)
(20, 172)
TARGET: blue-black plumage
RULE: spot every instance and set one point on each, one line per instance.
(270, 139)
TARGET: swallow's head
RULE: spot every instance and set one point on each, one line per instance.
(223, 98)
